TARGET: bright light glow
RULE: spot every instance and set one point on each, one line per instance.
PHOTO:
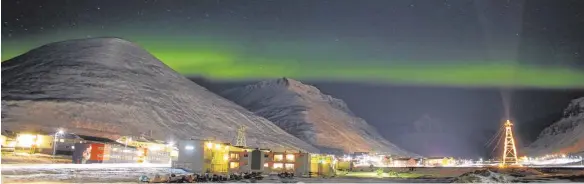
(217, 146)
(25, 140)
(189, 147)
(72, 147)
(278, 166)
(171, 143)
(290, 157)
(225, 157)
(234, 156)
(209, 145)
(278, 157)
(233, 165)
(60, 131)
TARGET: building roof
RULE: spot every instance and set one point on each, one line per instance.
(102, 140)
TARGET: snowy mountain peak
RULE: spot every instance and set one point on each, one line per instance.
(305, 112)
(564, 136)
(289, 84)
(575, 108)
(109, 87)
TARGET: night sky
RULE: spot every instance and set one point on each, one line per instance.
(393, 61)
(438, 42)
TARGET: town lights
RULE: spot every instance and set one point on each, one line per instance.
(290, 157)
(209, 145)
(217, 146)
(189, 147)
(225, 157)
(26, 140)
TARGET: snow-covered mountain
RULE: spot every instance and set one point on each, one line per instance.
(564, 136)
(303, 111)
(110, 87)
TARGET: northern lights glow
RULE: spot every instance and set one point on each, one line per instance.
(219, 61)
(224, 65)
(418, 45)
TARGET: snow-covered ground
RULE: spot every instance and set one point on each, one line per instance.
(129, 173)
(80, 173)
(19, 158)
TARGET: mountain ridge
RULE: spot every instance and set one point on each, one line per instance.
(307, 113)
(110, 87)
(565, 135)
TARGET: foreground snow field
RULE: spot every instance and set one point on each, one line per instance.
(129, 173)
(78, 173)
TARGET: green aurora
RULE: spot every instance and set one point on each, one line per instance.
(225, 59)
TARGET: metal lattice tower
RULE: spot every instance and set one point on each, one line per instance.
(509, 152)
(241, 137)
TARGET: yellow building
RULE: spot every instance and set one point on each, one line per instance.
(201, 156)
(34, 143)
(322, 165)
(434, 161)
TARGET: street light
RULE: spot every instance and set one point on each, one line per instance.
(55, 141)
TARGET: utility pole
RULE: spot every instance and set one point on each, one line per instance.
(510, 151)
(55, 141)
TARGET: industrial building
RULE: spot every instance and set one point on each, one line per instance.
(405, 162)
(439, 161)
(102, 150)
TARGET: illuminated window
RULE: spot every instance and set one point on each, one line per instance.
(290, 157)
(289, 166)
(278, 157)
(278, 166)
(266, 165)
(233, 165)
(62, 140)
(234, 156)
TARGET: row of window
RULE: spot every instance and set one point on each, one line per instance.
(277, 157)
(275, 166)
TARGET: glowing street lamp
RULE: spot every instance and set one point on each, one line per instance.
(55, 141)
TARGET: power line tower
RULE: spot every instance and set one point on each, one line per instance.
(241, 137)
(509, 152)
